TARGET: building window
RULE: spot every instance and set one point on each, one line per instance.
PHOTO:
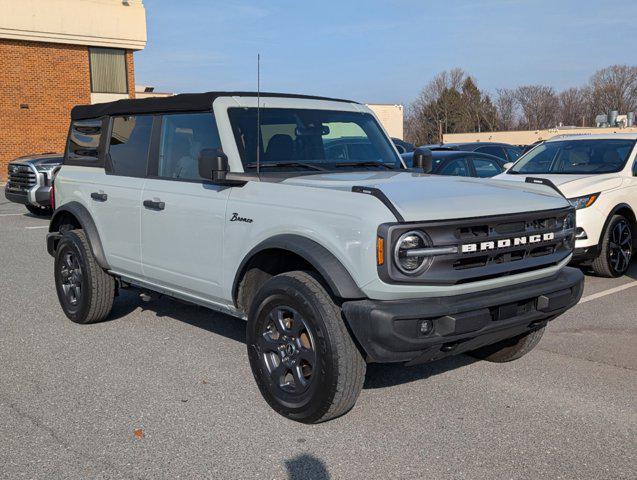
(108, 70)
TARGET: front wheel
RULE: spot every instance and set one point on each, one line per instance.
(303, 358)
(509, 349)
(617, 248)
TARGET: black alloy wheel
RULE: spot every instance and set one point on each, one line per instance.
(287, 350)
(71, 278)
(620, 247)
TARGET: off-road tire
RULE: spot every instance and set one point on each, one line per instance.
(39, 211)
(339, 372)
(602, 265)
(509, 349)
(98, 288)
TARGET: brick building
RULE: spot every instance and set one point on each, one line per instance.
(55, 54)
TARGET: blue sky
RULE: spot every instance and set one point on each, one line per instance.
(380, 51)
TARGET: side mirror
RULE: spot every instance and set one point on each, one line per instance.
(213, 164)
(507, 165)
(423, 159)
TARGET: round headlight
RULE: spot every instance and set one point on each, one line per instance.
(405, 253)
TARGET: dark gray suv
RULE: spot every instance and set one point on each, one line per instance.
(29, 181)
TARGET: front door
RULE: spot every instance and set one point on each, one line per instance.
(183, 215)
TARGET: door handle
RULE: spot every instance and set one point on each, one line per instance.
(99, 196)
(154, 205)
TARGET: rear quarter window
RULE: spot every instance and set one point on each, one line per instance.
(83, 144)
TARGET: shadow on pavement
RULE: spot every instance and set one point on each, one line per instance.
(378, 375)
(391, 374)
(306, 467)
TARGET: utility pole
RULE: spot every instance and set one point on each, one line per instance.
(440, 132)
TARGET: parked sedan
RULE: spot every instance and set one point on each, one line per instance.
(29, 181)
(462, 164)
(504, 151)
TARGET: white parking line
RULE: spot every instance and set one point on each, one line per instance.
(610, 291)
(11, 214)
(39, 226)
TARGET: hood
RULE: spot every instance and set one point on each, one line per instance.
(47, 160)
(573, 185)
(435, 197)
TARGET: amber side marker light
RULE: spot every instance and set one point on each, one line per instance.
(380, 251)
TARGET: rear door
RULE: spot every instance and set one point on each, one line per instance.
(183, 214)
(115, 195)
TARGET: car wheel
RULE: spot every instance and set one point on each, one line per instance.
(39, 210)
(303, 358)
(85, 291)
(509, 349)
(617, 248)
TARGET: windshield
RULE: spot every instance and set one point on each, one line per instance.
(311, 140)
(575, 157)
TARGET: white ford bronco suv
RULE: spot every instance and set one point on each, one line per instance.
(297, 214)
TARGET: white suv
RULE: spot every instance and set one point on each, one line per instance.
(297, 214)
(598, 173)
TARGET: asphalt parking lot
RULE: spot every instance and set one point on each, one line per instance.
(164, 390)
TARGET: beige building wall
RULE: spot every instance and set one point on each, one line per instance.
(390, 116)
(529, 136)
(98, 23)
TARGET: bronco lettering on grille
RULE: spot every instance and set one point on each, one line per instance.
(507, 243)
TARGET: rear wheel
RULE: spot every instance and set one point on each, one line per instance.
(617, 248)
(85, 291)
(303, 358)
(509, 349)
(39, 210)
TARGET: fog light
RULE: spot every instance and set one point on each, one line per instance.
(426, 327)
(580, 234)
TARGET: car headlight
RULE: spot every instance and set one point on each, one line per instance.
(406, 252)
(584, 201)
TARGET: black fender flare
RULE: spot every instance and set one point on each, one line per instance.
(326, 264)
(83, 217)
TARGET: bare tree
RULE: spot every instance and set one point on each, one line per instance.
(614, 88)
(507, 109)
(572, 107)
(539, 105)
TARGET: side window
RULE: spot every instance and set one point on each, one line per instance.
(84, 142)
(513, 153)
(493, 150)
(183, 136)
(457, 167)
(485, 168)
(128, 146)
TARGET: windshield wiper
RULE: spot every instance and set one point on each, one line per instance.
(365, 164)
(287, 164)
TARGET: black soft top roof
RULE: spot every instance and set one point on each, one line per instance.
(176, 103)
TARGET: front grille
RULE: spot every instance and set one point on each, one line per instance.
(494, 246)
(21, 177)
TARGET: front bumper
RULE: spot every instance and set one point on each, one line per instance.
(39, 194)
(389, 331)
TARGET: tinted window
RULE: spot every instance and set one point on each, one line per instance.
(485, 168)
(183, 137)
(576, 157)
(84, 140)
(513, 153)
(492, 150)
(457, 167)
(128, 149)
